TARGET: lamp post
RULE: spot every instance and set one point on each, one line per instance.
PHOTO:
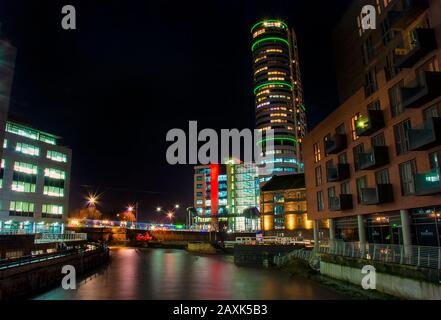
(170, 214)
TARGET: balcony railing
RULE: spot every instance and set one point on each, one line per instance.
(425, 88)
(428, 183)
(339, 172)
(400, 19)
(335, 144)
(424, 42)
(377, 157)
(367, 125)
(425, 137)
(381, 193)
(340, 203)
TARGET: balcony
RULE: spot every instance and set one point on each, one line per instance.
(377, 157)
(424, 43)
(428, 183)
(424, 89)
(374, 121)
(412, 9)
(425, 137)
(338, 173)
(341, 203)
(382, 193)
(335, 144)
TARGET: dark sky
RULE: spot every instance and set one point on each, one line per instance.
(135, 69)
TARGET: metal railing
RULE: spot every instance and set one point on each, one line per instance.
(15, 231)
(302, 254)
(421, 256)
(59, 237)
(26, 260)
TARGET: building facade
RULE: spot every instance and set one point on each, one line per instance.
(279, 94)
(283, 207)
(34, 180)
(373, 165)
(226, 196)
(7, 64)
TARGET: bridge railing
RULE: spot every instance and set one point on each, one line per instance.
(55, 237)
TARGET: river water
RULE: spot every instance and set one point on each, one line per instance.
(176, 274)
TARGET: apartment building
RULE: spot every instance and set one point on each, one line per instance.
(373, 166)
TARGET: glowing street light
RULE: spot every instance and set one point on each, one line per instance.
(92, 200)
(170, 215)
(158, 209)
(130, 208)
(176, 206)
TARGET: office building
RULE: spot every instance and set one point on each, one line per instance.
(373, 166)
(278, 94)
(34, 180)
(283, 208)
(7, 64)
(226, 196)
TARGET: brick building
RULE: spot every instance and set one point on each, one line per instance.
(373, 166)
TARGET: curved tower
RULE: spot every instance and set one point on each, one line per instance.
(278, 93)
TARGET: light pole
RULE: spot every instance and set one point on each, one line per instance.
(170, 214)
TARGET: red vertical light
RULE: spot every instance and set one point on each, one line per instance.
(214, 192)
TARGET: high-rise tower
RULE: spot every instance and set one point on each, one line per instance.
(278, 93)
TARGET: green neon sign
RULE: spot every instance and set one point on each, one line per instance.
(269, 39)
(263, 21)
(270, 83)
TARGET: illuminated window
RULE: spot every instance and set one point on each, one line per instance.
(24, 167)
(317, 152)
(52, 211)
(54, 182)
(5, 143)
(21, 131)
(27, 149)
(54, 173)
(354, 126)
(21, 209)
(29, 133)
(53, 191)
(56, 156)
(24, 178)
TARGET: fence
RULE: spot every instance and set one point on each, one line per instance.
(14, 231)
(302, 254)
(55, 237)
(429, 257)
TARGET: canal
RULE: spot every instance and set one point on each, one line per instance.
(176, 274)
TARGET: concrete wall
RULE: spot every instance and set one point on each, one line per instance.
(395, 285)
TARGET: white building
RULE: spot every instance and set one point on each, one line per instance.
(34, 180)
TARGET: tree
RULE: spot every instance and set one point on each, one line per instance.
(127, 216)
(90, 212)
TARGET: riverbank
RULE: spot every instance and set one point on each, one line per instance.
(38, 274)
(301, 268)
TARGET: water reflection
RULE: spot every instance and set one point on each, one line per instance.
(176, 274)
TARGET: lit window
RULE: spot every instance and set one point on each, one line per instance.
(56, 156)
(27, 149)
(54, 173)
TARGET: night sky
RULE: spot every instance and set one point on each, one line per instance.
(135, 69)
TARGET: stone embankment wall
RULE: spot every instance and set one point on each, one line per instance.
(407, 282)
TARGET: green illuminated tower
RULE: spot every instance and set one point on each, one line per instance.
(278, 93)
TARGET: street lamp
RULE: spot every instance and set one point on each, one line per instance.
(92, 200)
(176, 206)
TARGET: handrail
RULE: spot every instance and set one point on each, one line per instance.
(420, 256)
